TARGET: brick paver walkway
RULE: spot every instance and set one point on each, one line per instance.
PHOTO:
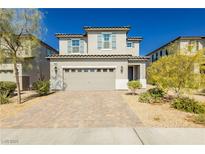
(76, 109)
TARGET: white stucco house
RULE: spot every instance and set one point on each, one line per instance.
(103, 58)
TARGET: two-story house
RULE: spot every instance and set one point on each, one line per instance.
(104, 58)
(33, 65)
(183, 44)
(188, 45)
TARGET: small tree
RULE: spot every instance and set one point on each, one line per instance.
(134, 85)
(177, 72)
(16, 27)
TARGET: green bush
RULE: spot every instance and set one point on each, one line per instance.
(157, 92)
(41, 87)
(188, 105)
(7, 87)
(146, 97)
(4, 99)
(200, 119)
(134, 85)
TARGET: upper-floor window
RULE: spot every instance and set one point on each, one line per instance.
(152, 58)
(129, 44)
(157, 56)
(75, 46)
(48, 52)
(197, 45)
(107, 41)
(193, 45)
(166, 52)
(161, 53)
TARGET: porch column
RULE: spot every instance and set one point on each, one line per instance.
(142, 75)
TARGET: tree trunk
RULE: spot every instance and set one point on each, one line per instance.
(17, 82)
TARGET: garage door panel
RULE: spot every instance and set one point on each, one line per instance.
(89, 80)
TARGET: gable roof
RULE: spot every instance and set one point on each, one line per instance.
(178, 38)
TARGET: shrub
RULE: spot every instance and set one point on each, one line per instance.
(199, 119)
(134, 85)
(41, 87)
(146, 97)
(157, 92)
(188, 105)
(4, 99)
(7, 87)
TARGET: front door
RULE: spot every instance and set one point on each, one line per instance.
(130, 73)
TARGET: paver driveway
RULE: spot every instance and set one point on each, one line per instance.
(76, 109)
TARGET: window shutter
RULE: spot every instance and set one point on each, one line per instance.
(81, 46)
(99, 41)
(113, 40)
(133, 45)
(69, 46)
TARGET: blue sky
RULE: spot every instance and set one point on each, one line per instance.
(156, 26)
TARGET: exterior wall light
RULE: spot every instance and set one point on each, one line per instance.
(55, 68)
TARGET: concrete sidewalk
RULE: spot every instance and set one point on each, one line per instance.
(103, 136)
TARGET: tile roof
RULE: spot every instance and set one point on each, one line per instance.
(135, 38)
(130, 57)
(126, 28)
(65, 35)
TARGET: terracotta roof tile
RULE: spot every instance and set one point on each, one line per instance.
(65, 35)
(87, 28)
(129, 57)
(136, 38)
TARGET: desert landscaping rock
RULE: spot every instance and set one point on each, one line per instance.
(160, 115)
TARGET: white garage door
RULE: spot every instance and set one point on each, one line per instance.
(89, 79)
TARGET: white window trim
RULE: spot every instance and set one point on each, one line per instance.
(75, 46)
(109, 41)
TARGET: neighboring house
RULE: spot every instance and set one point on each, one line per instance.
(183, 44)
(104, 58)
(180, 44)
(34, 66)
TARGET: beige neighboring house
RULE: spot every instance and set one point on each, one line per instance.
(104, 58)
(35, 66)
(181, 44)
